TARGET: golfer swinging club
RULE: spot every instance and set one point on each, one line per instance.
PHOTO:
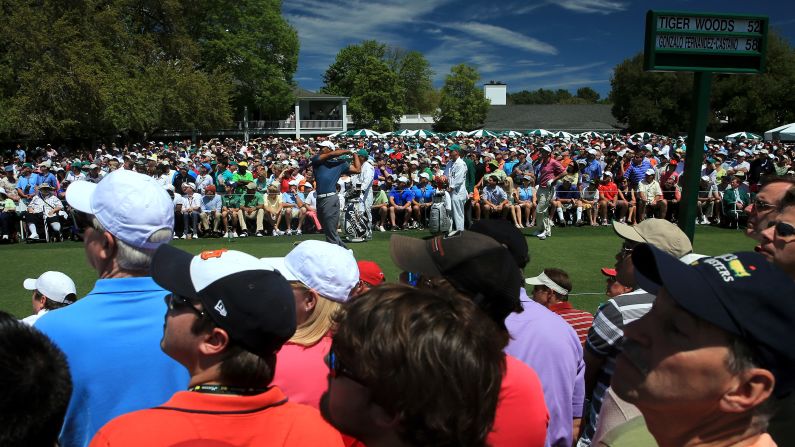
(328, 169)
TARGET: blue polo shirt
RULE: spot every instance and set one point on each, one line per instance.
(289, 197)
(401, 197)
(421, 196)
(327, 173)
(26, 184)
(111, 339)
(593, 170)
(561, 192)
(637, 173)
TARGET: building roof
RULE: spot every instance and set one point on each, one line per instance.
(302, 93)
(574, 118)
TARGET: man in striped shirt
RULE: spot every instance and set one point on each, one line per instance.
(551, 289)
(606, 335)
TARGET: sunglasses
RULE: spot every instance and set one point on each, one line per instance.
(760, 206)
(785, 231)
(177, 302)
(337, 369)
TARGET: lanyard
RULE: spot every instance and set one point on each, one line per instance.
(223, 389)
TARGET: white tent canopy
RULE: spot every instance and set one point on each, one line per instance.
(783, 133)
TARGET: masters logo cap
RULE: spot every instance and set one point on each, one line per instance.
(740, 293)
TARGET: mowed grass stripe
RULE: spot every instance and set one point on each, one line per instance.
(582, 252)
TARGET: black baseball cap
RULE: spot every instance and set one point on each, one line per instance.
(740, 293)
(474, 263)
(506, 234)
(250, 301)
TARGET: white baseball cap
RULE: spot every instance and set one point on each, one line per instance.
(292, 183)
(54, 285)
(327, 144)
(131, 206)
(592, 151)
(425, 175)
(650, 172)
(544, 280)
(327, 268)
(403, 179)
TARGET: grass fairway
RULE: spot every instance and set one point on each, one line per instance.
(579, 251)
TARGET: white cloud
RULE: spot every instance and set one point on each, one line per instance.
(592, 6)
(504, 37)
(555, 71)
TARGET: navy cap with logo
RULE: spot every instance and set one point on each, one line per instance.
(240, 293)
(740, 293)
(472, 262)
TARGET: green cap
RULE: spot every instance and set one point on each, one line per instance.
(27, 165)
(362, 153)
(454, 148)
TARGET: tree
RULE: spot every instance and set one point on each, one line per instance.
(94, 69)
(414, 75)
(411, 68)
(590, 95)
(251, 41)
(759, 102)
(658, 102)
(375, 99)
(462, 104)
(662, 102)
(340, 77)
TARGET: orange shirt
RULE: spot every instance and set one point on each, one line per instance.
(522, 417)
(201, 419)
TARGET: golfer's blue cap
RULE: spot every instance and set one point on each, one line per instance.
(741, 293)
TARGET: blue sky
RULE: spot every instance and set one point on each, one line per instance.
(527, 44)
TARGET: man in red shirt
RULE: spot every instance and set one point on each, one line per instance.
(477, 267)
(227, 316)
(608, 199)
(551, 288)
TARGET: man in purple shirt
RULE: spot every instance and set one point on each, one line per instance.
(544, 341)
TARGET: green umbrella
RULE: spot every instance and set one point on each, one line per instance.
(457, 133)
(422, 133)
(539, 133)
(563, 135)
(402, 133)
(746, 135)
(480, 133)
(362, 133)
(590, 134)
(341, 133)
(512, 134)
(645, 136)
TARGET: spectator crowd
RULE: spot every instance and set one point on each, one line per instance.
(318, 348)
(267, 186)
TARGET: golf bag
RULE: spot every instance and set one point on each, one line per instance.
(439, 216)
(355, 224)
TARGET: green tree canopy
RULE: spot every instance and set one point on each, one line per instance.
(415, 93)
(662, 102)
(588, 94)
(462, 104)
(96, 68)
(585, 95)
(375, 99)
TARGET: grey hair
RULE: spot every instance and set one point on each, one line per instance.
(134, 258)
